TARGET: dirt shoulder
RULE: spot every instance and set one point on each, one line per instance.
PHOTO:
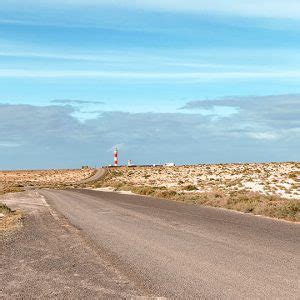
(48, 257)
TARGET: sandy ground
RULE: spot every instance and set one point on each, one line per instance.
(10, 180)
(49, 258)
(281, 179)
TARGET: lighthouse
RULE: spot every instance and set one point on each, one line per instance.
(116, 157)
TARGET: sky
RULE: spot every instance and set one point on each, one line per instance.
(189, 82)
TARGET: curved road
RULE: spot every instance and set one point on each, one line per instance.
(100, 172)
(186, 251)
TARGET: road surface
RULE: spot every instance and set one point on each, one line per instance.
(100, 172)
(185, 251)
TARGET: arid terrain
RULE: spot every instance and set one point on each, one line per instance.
(12, 181)
(282, 179)
(71, 241)
(271, 189)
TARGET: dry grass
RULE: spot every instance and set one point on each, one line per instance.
(4, 209)
(10, 189)
(278, 179)
(16, 181)
(218, 186)
(10, 220)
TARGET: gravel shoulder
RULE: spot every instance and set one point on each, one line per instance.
(49, 258)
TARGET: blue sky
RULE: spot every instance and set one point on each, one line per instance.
(105, 73)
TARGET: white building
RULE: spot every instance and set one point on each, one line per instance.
(170, 164)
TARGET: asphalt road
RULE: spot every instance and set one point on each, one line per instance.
(100, 172)
(186, 251)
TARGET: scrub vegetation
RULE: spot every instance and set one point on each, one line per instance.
(263, 189)
(17, 181)
(9, 219)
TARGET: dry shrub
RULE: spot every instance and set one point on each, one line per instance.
(168, 194)
(11, 219)
(272, 206)
(190, 187)
(11, 189)
(143, 190)
(4, 209)
(293, 175)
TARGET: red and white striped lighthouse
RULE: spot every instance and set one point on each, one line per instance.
(116, 157)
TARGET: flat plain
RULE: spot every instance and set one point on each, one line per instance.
(14, 181)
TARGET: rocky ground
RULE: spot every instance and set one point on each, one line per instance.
(46, 257)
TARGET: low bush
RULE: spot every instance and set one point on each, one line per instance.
(293, 175)
(4, 209)
(238, 199)
(190, 187)
(165, 194)
(143, 190)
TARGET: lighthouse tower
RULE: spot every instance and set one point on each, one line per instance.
(116, 157)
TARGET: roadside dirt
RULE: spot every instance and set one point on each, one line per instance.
(16, 181)
(48, 257)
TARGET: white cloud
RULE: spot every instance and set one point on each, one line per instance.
(197, 76)
(269, 136)
(7, 144)
(289, 9)
(119, 57)
(264, 8)
(53, 132)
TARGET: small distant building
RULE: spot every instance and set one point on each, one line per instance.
(129, 163)
(170, 164)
